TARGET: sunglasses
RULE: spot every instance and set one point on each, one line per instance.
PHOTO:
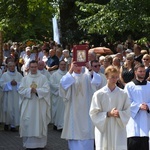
(146, 59)
(96, 66)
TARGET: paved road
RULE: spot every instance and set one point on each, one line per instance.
(11, 140)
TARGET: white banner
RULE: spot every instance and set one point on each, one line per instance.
(56, 36)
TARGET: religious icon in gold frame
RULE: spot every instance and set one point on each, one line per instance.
(80, 54)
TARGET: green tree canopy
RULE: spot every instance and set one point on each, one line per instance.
(86, 20)
(24, 19)
(117, 19)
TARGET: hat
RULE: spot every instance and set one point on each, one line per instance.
(28, 49)
(128, 51)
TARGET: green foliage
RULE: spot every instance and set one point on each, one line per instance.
(142, 41)
(79, 20)
(119, 17)
(24, 19)
(101, 2)
(68, 25)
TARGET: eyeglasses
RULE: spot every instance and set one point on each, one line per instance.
(146, 59)
(96, 66)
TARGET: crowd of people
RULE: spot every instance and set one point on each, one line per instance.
(103, 105)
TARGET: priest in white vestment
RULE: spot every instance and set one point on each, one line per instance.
(58, 106)
(110, 112)
(42, 70)
(76, 89)
(9, 83)
(138, 127)
(35, 108)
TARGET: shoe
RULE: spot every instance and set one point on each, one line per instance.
(54, 127)
(6, 127)
(13, 129)
(59, 130)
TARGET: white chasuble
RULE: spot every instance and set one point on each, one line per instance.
(76, 89)
(35, 110)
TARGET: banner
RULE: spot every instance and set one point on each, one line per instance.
(56, 36)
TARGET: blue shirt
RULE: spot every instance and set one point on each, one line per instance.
(52, 61)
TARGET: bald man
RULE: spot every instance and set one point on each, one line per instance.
(42, 70)
(53, 62)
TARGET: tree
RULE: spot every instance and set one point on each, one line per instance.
(69, 27)
(71, 32)
(91, 20)
(24, 19)
(101, 2)
(117, 19)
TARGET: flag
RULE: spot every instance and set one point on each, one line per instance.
(56, 36)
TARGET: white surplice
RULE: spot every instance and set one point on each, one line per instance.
(10, 98)
(35, 110)
(57, 101)
(139, 123)
(110, 132)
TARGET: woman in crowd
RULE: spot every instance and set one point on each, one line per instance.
(146, 63)
(127, 70)
(107, 62)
